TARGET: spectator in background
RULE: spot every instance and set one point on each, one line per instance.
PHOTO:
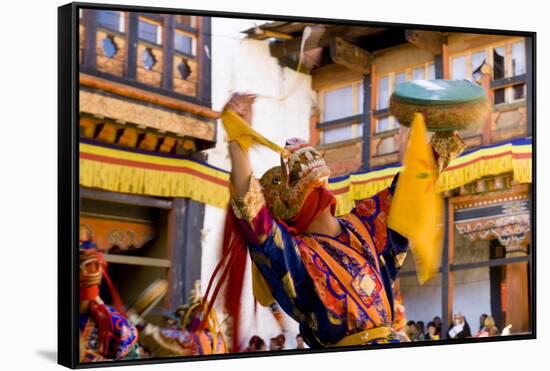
(281, 341)
(460, 328)
(256, 344)
(273, 344)
(420, 329)
(277, 343)
(300, 342)
(432, 332)
(489, 328)
(411, 331)
(437, 322)
(482, 321)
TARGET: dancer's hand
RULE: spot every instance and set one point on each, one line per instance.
(241, 103)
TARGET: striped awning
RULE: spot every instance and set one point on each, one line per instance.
(163, 175)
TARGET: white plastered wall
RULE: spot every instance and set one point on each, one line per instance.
(244, 65)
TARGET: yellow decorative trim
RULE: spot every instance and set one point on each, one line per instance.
(260, 287)
(400, 259)
(487, 162)
(288, 284)
(121, 171)
(366, 336)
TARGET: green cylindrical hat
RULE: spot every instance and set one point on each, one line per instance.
(447, 105)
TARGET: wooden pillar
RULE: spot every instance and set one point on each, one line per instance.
(438, 64)
(530, 87)
(89, 20)
(447, 275)
(446, 66)
(131, 46)
(168, 52)
(367, 121)
(486, 128)
(185, 224)
(373, 101)
(314, 132)
(204, 55)
(517, 291)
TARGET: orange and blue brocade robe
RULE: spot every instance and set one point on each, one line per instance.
(122, 339)
(333, 287)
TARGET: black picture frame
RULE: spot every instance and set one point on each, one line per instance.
(68, 175)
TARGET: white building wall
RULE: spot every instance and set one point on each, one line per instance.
(243, 65)
(471, 289)
(422, 303)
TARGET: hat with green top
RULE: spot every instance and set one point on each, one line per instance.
(447, 105)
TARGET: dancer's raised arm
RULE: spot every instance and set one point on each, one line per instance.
(241, 171)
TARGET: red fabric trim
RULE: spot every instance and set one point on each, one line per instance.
(89, 292)
(102, 318)
(117, 301)
(487, 157)
(232, 267)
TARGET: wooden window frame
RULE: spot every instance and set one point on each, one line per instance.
(194, 43)
(509, 80)
(160, 31)
(122, 22)
(355, 120)
(469, 55)
(385, 112)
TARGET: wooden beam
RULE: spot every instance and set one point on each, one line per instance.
(430, 41)
(145, 96)
(293, 65)
(122, 198)
(292, 47)
(332, 74)
(491, 263)
(262, 34)
(354, 32)
(137, 260)
(284, 48)
(350, 56)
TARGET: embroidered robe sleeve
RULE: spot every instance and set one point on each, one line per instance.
(391, 246)
(273, 249)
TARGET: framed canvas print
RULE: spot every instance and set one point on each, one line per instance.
(243, 185)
